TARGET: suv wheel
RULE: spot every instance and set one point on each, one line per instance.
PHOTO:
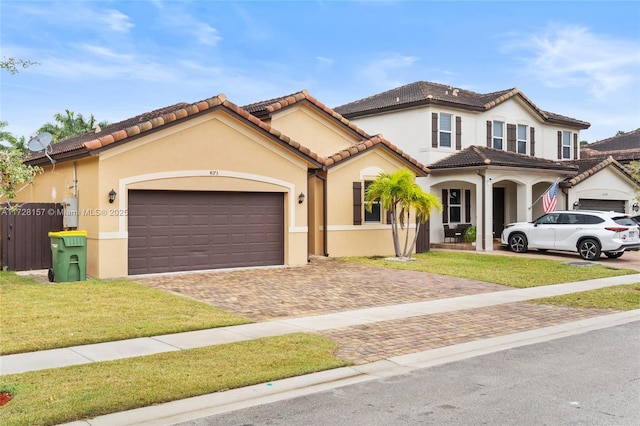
(518, 243)
(611, 255)
(589, 249)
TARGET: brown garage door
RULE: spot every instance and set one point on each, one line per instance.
(187, 230)
(603, 205)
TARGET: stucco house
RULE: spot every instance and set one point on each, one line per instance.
(207, 185)
(492, 156)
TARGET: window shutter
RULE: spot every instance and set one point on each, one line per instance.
(434, 129)
(467, 206)
(458, 133)
(511, 137)
(445, 206)
(575, 146)
(489, 133)
(533, 142)
(357, 203)
(559, 145)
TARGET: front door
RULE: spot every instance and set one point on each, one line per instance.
(498, 212)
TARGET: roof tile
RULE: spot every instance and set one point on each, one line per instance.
(426, 93)
(479, 156)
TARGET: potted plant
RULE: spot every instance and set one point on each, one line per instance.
(469, 235)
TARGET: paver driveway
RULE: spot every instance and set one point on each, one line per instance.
(329, 285)
(323, 286)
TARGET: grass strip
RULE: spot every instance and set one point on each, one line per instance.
(67, 394)
(519, 272)
(39, 316)
(619, 298)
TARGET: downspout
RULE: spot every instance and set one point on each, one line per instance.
(484, 204)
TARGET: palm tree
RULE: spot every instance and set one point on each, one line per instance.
(400, 195)
(70, 125)
(11, 141)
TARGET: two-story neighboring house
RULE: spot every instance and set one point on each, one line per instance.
(492, 156)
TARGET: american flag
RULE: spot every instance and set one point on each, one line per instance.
(550, 198)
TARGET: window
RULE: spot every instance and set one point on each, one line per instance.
(455, 205)
(548, 219)
(522, 139)
(445, 130)
(498, 134)
(566, 145)
(375, 214)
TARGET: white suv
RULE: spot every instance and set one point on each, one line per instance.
(586, 232)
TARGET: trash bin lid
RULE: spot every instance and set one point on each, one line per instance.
(68, 234)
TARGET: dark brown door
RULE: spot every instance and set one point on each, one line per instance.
(498, 212)
(191, 230)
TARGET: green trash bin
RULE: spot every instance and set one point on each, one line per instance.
(69, 256)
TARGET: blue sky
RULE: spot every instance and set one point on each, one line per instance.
(117, 59)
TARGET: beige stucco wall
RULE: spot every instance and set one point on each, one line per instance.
(214, 152)
(345, 238)
(313, 130)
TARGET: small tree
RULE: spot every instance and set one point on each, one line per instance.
(401, 195)
(14, 174)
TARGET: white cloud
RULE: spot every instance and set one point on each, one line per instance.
(206, 34)
(568, 55)
(387, 72)
(105, 52)
(117, 21)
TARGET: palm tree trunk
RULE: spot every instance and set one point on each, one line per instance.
(394, 232)
(415, 237)
(406, 236)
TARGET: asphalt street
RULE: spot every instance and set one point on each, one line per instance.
(586, 379)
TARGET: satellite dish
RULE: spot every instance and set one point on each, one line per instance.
(40, 142)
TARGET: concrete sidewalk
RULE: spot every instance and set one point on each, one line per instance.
(55, 358)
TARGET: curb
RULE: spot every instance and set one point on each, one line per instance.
(207, 405)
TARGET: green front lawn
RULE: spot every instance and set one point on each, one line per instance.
(511, 271)
(50, 397)
(619, 298)
(44, 316)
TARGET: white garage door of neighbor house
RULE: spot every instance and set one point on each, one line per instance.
(602, 205)
(194, 230)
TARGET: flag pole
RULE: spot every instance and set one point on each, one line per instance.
(550, 186)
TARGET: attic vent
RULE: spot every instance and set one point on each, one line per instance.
(455, 92)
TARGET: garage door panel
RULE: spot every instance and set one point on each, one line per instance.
(188, 230)
(602, 204)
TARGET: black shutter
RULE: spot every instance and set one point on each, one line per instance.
(511, 137)
(533, 142)
(357, 203)
(575, 146)
(489, 133)
(434, 129)
(559, 145)
(458, 133)
(467, 206)
(445, 206)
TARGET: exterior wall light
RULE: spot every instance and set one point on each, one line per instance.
(636, 207)
(112, 196)
(576, 205)
(301, 198)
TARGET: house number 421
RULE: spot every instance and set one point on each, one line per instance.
(213, 173)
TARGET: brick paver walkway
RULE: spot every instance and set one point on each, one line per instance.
(381, 340)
